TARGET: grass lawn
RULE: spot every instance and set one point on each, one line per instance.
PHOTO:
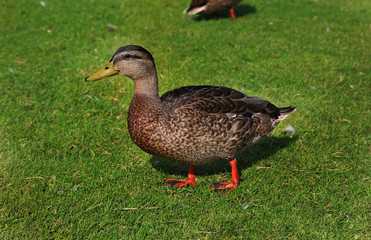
(68, 168)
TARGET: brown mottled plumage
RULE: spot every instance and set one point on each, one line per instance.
(209, 6)
(192, 125)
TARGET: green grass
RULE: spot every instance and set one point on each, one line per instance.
(68, 168)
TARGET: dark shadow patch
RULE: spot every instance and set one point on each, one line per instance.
(245, 159)
(239, 10)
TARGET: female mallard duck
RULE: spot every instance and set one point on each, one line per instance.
(192, 125)
(209, 6)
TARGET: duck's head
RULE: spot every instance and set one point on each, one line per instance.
(132, 61)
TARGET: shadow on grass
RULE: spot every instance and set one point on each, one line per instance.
(245, 159)
(239, 10)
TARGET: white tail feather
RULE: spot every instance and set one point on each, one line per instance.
(284, 115)
(194, 10)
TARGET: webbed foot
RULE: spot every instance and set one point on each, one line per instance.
(229, 185)
(180, 183)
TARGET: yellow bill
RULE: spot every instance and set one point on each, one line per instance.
(105, 72)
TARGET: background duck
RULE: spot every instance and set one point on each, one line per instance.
(192, 125)
(209, 6)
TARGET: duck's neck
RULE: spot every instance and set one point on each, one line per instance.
(147, 86)
(146, 100)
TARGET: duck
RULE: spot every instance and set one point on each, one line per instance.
(192, 125)
(209, 6)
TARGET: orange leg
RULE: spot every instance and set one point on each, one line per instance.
(235, 179)
(232, 14)
(180, 183)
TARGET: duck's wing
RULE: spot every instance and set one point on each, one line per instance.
(196, 6)
(213, 99)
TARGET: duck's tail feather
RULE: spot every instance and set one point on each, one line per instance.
(284, 112)
(192, 11)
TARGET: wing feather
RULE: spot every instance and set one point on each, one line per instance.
(197, 3)
(213, 99)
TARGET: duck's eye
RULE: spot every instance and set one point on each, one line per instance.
(127, 56)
